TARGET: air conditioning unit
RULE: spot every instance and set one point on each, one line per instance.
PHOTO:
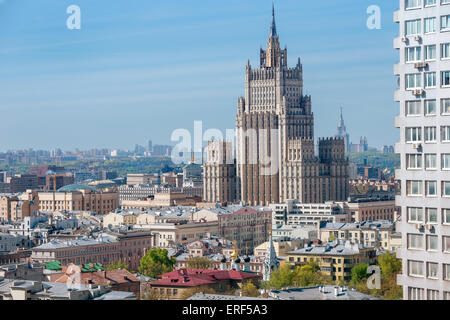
(418, 92)
(418, 38)
(420, 65)
(404, 39)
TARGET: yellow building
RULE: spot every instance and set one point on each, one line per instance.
(117, 219)
(335, 259)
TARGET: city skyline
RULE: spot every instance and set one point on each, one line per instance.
(76, 74)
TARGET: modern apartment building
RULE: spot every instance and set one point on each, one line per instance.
(423, 95)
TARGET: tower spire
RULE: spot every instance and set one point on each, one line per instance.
(273, 27)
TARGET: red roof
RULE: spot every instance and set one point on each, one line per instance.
(198, 277)
(100, 277)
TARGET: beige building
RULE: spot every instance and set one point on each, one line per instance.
(335, 259)
(376, 234)
(117, 219)
(219, 173)
(165, 198)
(168, 234)
(275, 138)
(78, 198)
(15, 207)
(128, 247)
(370, 209)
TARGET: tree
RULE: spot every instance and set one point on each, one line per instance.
(156, 262)
(359, 273)
(389, 264)
(282, 277)
(250, 290)
(199, 263)
(118, 265)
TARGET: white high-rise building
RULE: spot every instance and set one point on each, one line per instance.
(424, 121)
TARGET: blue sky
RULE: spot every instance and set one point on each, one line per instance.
(138, 70)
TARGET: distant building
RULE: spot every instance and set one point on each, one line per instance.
(15, 207)
(78, 198)
(23, 182)
(342, 133)
(219, 173)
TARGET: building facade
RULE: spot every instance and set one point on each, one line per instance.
(219, 173)
(275, 137)
(424, 98)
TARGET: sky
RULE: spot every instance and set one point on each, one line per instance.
(137, 70)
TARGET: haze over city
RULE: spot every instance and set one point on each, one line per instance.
(139, 70)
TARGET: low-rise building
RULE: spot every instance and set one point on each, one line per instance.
(320, 293)
(335, 259)
(175, 285)
(11, 289)
(369, 233)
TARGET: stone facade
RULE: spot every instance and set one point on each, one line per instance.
(275, 138)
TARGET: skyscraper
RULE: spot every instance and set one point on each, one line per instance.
(342, 133)
(275, 137)
(424, 148)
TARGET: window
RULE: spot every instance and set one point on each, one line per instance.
(446, 271)
(413, 27)
(415, 215)
(430, 52)
(430, 134)
(432, 243)
(446, 216)
(445, 23)
(413, 108)
(446, 243)
(432, 270)
(445, 51)
(415, 241)
(445, 159)
(430, 2)
(430, 107)
(445, 106)
(429, 25)
(414, 161)
(445, 78)
(445, 188)
(415, 268)
(413, 54)
(431, 188)
(414, 188)
(431, 215)
(445, 133)
(413, 4)
(430, 79)
(413, 81)
(414, 134)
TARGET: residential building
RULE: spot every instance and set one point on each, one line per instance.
(23, 182)
(219, 173)
(423, 96)
(335, 259)
(176, 284)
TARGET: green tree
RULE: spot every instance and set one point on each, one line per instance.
(282, 277)
(359, 273)
(118, 265)
(250, 290)
(389, 264)
(156, 262)
(199, 263)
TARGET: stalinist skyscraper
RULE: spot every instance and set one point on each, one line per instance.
(275, 137)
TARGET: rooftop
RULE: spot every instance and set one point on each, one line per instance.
(316, 293)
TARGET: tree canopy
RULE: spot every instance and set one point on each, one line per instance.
(156, 262)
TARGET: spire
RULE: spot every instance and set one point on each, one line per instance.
(273, 27)
(192, 157)
(270, 260)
